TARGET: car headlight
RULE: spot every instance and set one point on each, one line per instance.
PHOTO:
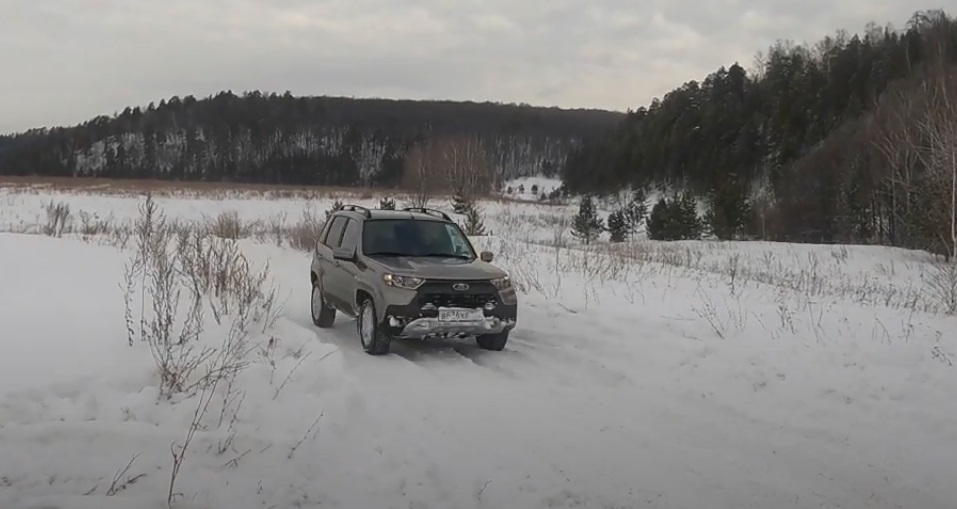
(407, 282)
(502, 283)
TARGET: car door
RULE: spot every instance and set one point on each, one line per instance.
(346, 272)
(328, 265)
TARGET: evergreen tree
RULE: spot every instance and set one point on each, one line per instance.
(460, 202)
(659, 220)
(729, 208)
(618, 226)
(587, 225)
(637, 210)
(687, 222)
(474, 226)
(675, 219)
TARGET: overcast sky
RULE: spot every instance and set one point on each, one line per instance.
(65, 61)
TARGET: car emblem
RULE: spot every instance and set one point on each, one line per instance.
(461, 287)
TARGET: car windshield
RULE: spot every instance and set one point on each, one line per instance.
(408, 237)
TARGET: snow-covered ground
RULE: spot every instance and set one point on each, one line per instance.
(666, 375)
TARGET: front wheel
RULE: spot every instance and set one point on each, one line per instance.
(495, 342)
(323, 315)
(375, 341)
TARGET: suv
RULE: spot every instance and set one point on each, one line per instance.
(409, 273)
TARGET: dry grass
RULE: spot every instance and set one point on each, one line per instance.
(824, 273)
(131, 187)
(171, 262)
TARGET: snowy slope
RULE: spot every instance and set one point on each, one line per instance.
(651, 383)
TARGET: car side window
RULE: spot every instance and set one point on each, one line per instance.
(335, 232)
(350, 238)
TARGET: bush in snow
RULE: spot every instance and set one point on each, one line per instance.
(387, 203)
(228, 225)
(58, 219)
(215, 279)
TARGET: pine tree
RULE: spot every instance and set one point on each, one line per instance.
(675, 219)
(387, 203)
(687, 223)
(659, 220)
(618, 226)
(637, 210)
(460, 202)
(474, 226)
(729, 208)
(587, 226)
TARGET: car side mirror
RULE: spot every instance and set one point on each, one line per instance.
(486, 256)
(344, 254)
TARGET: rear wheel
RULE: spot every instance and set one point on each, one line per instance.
(494, 342)
(375, 341)
(323, 315)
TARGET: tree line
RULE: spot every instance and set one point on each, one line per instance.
(283, 139)
(853, 140)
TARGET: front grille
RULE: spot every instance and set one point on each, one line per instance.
(460, 300)
(442, 294)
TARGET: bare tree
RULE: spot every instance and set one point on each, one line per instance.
(465, 164)
(895, 135)
(938, 127)
(454, 163)
(422, 175)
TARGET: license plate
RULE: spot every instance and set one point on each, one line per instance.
(460, 315)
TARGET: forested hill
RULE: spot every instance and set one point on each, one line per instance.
(270, 138)
(803, 127)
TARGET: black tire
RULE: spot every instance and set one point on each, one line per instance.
(327, 314)
(494, 342)
(379, 341)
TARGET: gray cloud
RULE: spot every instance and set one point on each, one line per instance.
(64, 61)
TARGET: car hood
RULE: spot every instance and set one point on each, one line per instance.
(440, 268)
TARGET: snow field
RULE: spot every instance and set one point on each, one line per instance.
(673, 375)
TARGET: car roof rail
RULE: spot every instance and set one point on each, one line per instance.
(358, 208)
(431, 212)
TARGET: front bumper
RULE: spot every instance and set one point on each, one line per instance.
(412, 321)
(422, 327)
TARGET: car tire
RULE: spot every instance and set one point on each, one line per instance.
(375, 341)
(494, 342)
(323, 315)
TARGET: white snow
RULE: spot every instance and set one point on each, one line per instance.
(817, 376)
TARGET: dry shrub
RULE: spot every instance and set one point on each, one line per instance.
(59, 219)
(91, 224)
(179, 273)
(228, 225)
(304, 234)
(942, 285)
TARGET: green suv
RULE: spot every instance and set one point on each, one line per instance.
(409, 273)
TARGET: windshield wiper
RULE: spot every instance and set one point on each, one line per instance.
(387, 253)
